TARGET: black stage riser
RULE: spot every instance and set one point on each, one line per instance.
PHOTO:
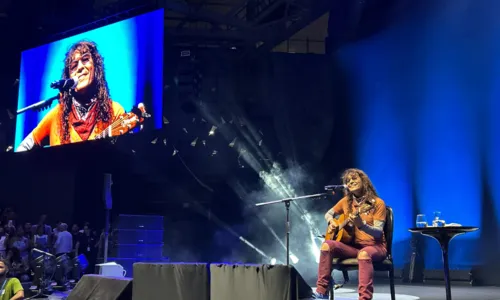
(223, 282)
(178, 281)
(171, 281)
(257, 282)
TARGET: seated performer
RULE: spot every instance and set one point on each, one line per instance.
(368, 243)
(82, 113)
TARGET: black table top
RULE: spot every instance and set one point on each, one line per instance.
(447, 229)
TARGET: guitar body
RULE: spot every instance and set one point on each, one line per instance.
(343, 235)
(344, 232)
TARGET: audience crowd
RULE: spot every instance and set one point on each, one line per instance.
(21, 244)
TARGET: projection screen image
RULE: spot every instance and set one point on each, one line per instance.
(98, 84)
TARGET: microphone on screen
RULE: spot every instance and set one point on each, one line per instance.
(335, 187)
(65, 84)
(142, 108)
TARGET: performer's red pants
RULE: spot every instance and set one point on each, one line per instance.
(365, 274)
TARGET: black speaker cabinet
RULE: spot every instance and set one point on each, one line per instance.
(257, 282)
(93, 287)
(172, 281)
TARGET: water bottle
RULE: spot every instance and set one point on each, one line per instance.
(437, 222)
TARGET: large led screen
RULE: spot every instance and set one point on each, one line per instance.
(104, 82)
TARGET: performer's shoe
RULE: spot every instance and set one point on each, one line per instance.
(317, 295)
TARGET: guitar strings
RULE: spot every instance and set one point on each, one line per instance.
(113, 127)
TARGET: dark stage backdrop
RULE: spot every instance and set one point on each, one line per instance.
(66, 183)
(33, 185)
(424, 114)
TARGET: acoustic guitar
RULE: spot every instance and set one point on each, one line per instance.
(123, 124)
(344, 230)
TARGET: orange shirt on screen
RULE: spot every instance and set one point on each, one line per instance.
(50, 126)
(378, 213)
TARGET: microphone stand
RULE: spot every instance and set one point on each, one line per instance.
(39, 105)
(287, 202)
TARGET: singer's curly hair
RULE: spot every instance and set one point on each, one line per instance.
(368, 189)
(99, 88)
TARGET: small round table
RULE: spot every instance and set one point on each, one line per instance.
(444, 235)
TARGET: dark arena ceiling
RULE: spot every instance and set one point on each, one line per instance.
(244, 24)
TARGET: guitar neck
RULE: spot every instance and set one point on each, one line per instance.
(121, 125)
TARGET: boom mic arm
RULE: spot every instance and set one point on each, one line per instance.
(39, 106)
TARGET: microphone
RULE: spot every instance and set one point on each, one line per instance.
(335, 187)
(65, 84)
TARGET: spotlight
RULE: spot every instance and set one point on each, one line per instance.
(294, 259)
(273, 261)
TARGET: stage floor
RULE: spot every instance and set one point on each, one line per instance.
(428, 291)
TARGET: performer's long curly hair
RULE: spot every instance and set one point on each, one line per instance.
(368, 189)
(99, 88)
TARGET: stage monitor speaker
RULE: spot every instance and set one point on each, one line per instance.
(91, 287)
(257, 282)
(172, 281)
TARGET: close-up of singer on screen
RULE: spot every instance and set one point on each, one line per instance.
(85, 109)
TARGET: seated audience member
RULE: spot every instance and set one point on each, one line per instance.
(11, 287)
